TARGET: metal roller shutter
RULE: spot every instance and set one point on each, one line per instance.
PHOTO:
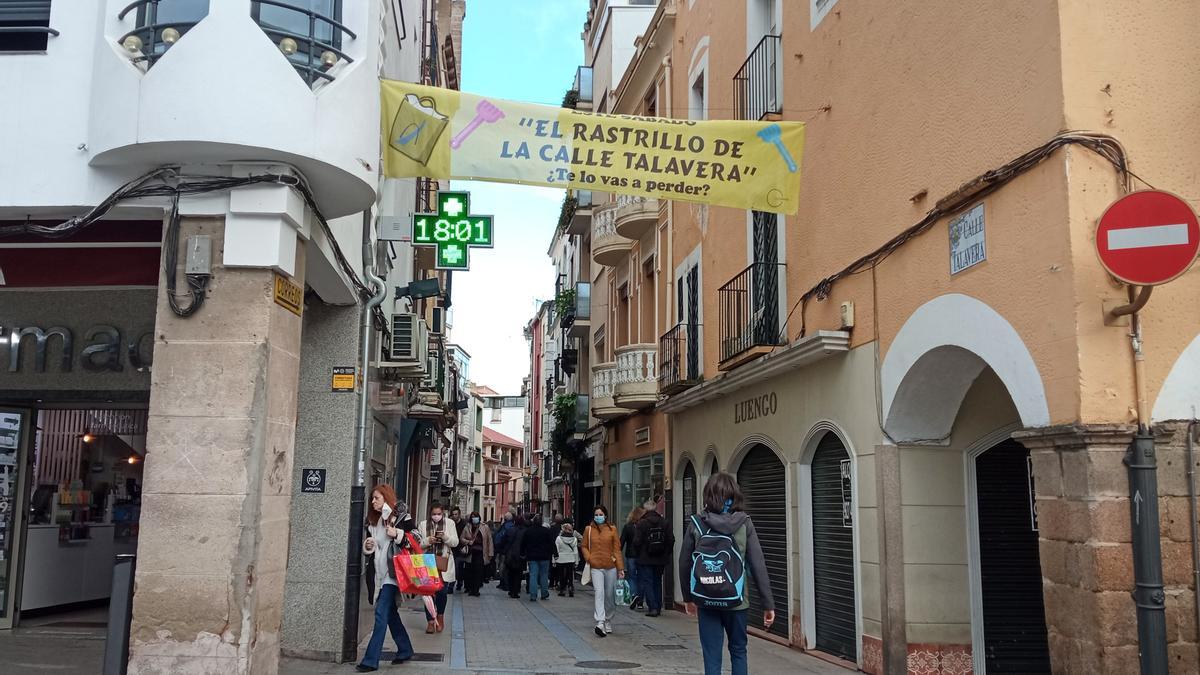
(761, 476)
(29, 12)
(833, 550)
(1014, 617)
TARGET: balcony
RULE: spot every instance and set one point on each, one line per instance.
(583, 85)
(749, 314)
(574, 307)
(637, 376)
(636, 215)
(756, 85)
(311, 41)
(679, 359)
(603, 380)
(608, 247)
(581, 215)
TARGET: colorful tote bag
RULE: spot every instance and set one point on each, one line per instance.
(417, 573)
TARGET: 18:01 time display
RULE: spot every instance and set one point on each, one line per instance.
(441, 230)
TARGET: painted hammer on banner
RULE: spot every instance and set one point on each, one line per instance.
(773, 134)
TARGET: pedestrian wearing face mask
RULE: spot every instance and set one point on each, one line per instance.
(387, 521)
(439, 537)
(565, 557)
(460, 560)
(602, 550)
(475, 543)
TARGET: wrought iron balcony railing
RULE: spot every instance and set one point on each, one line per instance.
(679, 358)
(309, 39)
(749, 310)
(756, 85)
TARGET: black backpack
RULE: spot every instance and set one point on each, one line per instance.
(656, 541)
(718, 578)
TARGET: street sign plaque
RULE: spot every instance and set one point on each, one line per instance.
(1148, 238)
(453, 230)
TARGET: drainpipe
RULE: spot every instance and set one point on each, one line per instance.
(1148, 595)
(1191, 479)
(354, 570)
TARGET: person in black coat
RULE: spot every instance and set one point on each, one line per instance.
(655, 543)
(514, 564)
(538, 548)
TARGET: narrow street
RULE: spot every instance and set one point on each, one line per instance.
(489, 634)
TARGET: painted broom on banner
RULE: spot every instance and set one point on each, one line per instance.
(443, 134)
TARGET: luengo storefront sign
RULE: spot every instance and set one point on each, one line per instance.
(444, 134)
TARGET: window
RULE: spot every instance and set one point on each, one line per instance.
(697, 104)
(307, 23)
(479, 419)
(25, 14)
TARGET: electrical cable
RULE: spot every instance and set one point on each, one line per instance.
(1107, 147)
(197, 283)
(173, 184)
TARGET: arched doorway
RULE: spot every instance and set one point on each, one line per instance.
(833, 549)
(763, 481)
(691, 490)
(1010, 574)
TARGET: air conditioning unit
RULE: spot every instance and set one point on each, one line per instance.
(448, 478)
(438, 327)
(430, 381)
(410, 339)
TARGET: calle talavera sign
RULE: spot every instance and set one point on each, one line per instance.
(103, 348)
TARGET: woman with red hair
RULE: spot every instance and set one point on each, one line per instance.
(387, 521)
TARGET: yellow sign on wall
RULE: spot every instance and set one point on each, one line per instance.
(442, 134)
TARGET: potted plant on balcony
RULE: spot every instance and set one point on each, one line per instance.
(564, 306)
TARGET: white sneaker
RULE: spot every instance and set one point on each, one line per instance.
(608, 627)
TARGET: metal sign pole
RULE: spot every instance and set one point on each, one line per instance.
(1148, 592)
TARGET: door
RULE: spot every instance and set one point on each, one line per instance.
(761, 476)
(689, 491)
(833, 549)
(764, 321)
(1014, 617)
(15, 429)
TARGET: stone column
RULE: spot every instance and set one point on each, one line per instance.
(894, 650)
(214, 525)
(1087, 563)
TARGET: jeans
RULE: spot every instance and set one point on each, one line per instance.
(387, 618)
(439, 602)
(539, 578)
(631, 575)
(715, 624)
(650, 586)
(605, 583)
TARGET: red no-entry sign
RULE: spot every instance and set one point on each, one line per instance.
(1148, 238)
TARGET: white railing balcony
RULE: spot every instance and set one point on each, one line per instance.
(637, 376)
(608, 247)
(636, 215)
(603, 381)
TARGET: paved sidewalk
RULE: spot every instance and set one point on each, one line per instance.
(496, 635)
(491, 634)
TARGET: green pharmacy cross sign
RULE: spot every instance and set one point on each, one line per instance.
(453, 230)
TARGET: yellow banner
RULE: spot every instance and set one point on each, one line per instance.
(442, 134)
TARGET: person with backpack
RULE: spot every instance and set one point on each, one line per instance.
(602, 552)
(565, 556)
(654, 542)
(629, 550)
(504, 537)
(720, 554)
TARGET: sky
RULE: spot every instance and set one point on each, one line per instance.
(524, 50)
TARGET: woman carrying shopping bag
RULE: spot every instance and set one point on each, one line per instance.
(439, 537)
(602, 551)
(387, 522)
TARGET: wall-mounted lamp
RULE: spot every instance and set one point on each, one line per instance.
(88, 437)
(170, 36)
